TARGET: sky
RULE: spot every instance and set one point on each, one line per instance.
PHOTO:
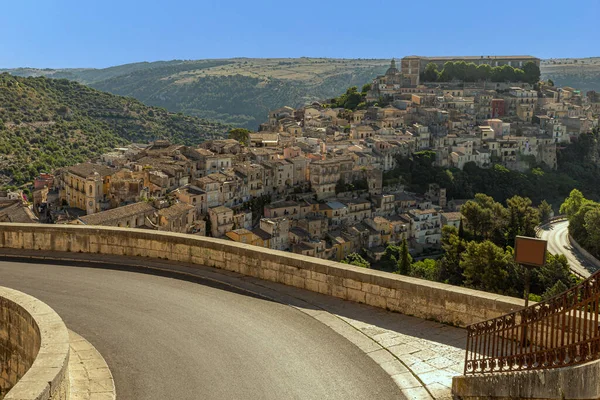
(81, 33)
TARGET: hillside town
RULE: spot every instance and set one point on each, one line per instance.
(310, 180)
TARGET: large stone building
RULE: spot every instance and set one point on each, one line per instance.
(85, 186)
(413, 66)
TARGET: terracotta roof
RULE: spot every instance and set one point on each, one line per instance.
(175, 210)
(220, 209)
(262, 234)
(16, 211)
(86, 169)
(110, 217)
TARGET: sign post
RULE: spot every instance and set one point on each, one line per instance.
(530, 253)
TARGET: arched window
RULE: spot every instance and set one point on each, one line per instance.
(90, 190)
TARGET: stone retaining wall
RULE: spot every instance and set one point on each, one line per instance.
(579, 382)
(425, 299)
(34, 346)
(590, 258)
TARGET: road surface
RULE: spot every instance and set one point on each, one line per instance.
(557, 235)
(167, 338)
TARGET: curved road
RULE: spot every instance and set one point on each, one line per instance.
(167, 338)
(557, 235)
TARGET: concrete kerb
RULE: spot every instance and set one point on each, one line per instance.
(47, 377)
(90, 377)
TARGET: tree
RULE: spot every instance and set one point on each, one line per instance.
(592, 227)
(558, 288)
(242, 135)
(486, 267)
(357, 260)
(431, 73)
(545, 211)
(573, 203)
(453, 245)
(425, 269)
(404, 259)
(366, 87)
(550, 82)
(389, 259)
(555, 269)
(484, 72)
(532, 72)
(523, 218)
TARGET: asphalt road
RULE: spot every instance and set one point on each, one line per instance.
(557, 235)
(167, 338)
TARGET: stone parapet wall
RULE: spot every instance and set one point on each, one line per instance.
(34, 346)
(425, 299)
(19, 343)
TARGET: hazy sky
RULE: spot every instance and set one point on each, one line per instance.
(101, 33)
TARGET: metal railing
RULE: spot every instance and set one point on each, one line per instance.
(558, 332)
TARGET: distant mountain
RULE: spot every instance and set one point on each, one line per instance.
(50, 123)
(579, 73)
(241, 91)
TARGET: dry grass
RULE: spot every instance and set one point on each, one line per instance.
(302, 69)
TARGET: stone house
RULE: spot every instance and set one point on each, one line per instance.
(221, 220)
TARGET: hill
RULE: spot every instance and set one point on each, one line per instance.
(241, 91)
(579, 73)
(50, 123)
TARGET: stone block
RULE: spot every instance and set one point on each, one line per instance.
(352, 284)
(298, 281)
(356, 295)
(375, 300)
(370, 288)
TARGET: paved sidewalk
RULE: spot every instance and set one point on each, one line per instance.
(89, 375)
(421, 356)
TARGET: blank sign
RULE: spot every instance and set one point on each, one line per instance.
(530, 251)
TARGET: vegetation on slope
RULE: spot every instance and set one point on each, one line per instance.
(578, 167)
(50, 123)
(237, 91)
(584, 221)
(480, 254)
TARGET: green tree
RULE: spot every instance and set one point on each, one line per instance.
(486, 267)
(357, 260)
(425, 269)
(242, 135)
(555, 269)
(532, 72)
(389, 259)
(558, 288)
(592, 227)
(404, 259)
(573, 203)
(545, 210)
(453, 246)
(366, 87)
(431, 73)
(523, 218)
(484, 72)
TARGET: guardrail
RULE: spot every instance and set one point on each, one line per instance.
(559, 332)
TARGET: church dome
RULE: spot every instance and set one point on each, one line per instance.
(392, 70)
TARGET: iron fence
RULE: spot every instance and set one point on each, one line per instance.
(558, 332)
